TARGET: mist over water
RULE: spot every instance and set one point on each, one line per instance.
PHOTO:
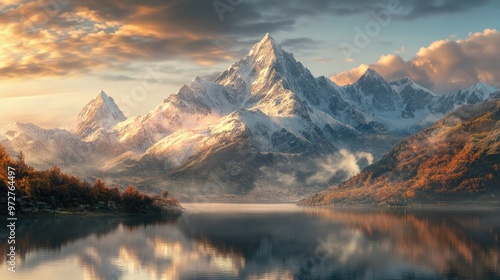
(261, 241)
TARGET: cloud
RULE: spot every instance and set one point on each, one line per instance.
(443, 66)
(412, 8)
(50, 39)
(427, 8)
(316, 173)
(109, 77)
(341, 166)
(80, 37)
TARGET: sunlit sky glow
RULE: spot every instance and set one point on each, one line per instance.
(55, 58)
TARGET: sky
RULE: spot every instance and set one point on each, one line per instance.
(56, 55)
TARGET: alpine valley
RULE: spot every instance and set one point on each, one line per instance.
(265, 129)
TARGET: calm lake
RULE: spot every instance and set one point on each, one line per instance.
(255, 241)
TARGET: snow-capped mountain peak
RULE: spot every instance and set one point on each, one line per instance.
(371, 79)
(13, 130)
(103, 101)
(102, 94)
(406, 83)
(241, 75)
(475, 94)
(371, 75)
(483, 87)
(373, 93)
(100, 113)
(266, 48)
(264, 71)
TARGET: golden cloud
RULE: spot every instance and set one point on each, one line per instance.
(445, 65)
(78, 37)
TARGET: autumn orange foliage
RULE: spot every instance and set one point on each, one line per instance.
(448, 162)
(64, 192)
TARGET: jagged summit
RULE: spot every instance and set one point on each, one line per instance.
(267, 70)
(476, 93)
(266, 41)
(104, 102)
(407, 85)
(374, 93)
(267, 49)
(198, 80)
(483, 87)
(371, 75)
(102, 94)
(100, 113)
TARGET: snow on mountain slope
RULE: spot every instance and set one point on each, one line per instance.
(262, 79)
(268, 80)
(178, 147)
(196, 104)
(270, 94)
(403, 106)
(413, 96)
(477, 93)
(200, 102)
(101, 113)
(372, 93)
(45, 147)
(289, 134)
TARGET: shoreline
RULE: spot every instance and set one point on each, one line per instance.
(170, 212)
(437, 206)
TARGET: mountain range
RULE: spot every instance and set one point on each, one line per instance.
(264, 125)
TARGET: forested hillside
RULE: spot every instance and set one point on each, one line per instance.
(52, 191)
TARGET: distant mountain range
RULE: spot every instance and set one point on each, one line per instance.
(455, 161)
(265, 124)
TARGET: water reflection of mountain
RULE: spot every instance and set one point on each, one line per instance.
(398, 245)
(461, 244)
(52, 233)
(275, 245)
